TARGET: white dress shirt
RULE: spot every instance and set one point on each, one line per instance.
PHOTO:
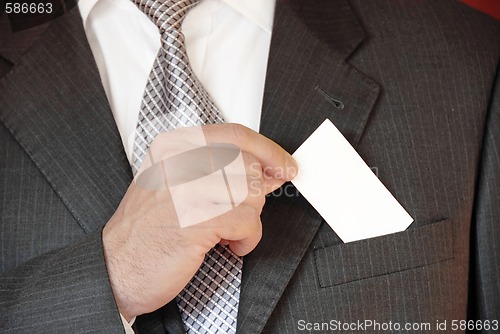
(227, 42)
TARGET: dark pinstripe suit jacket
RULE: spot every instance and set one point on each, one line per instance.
(420, 101)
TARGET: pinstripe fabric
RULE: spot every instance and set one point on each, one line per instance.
(486, 229)
(423, 134)
(47, 131)
(62, 174)
(65, 292)
(419, 104)
(20, 206)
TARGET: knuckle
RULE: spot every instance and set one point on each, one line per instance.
(233, 227)
(277, 155)
(253, 168)
(245, 221)
(249, 159)
(248, 214)
(257, 200)
(253, 214)
(239, 132)
(261, 203)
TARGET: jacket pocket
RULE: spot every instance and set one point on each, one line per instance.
(413, 248)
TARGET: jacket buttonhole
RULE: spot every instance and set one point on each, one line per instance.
(335, 102)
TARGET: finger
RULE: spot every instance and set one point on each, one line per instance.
(259, 183)
(252, 235)
(275, 161)
(240, 224)
(253, 167)
(271, 184)
(245, 246)
(256, 185)
(224, 242)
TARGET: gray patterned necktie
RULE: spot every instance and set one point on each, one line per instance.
(174, 98)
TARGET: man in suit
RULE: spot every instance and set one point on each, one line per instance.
(412, 85)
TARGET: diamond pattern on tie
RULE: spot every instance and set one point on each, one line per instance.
(174, 98)
(209, 303)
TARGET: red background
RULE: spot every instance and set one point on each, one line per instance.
(491, 7)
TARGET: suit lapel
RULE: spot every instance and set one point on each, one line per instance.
(308, 81)
(53, 103)
(13, 45)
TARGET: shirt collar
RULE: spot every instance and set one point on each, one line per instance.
(85, 6)
(259, 11)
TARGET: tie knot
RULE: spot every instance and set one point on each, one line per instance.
(166, 14)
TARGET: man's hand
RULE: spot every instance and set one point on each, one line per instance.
(150, 259)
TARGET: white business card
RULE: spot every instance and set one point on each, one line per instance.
(344, 190)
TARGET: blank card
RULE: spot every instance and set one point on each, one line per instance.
(344, 190)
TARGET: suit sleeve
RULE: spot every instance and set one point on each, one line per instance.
(53, 276)
(65, 291)
(485, 257)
